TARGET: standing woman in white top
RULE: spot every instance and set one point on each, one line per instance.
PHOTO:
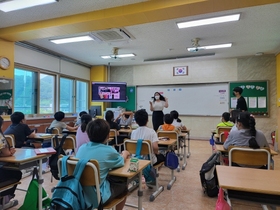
(156, 106)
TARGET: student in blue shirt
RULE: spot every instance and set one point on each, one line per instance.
(108, 158)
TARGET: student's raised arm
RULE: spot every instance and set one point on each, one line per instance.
(166, 103)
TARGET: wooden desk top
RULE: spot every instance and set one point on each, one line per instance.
(186, 131)
(221, 148)
(249, 179)
(167, 142)
(124, 171)
(123, 130)
(23, 156)
(42, 136)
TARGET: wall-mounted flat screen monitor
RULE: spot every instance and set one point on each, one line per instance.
(109, 91)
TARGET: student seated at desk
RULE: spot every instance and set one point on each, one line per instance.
(167, 126)
(145, 133)
(233, 118)
(78, 122)
(125, 119)
(246, 135)
(81, 135)
(177, 121)
(20, 130)
(57, 123)
(109, 116)
(108, 158)
(225, 121)
(7, 175)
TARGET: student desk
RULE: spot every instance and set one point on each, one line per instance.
(188, 131)
(251, 184)
(23, 158)
(124, 172)
(41, 138)
(65, 131)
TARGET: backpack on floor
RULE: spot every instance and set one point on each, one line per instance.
(208, 175)
(171, 160)
(54, 158)
(68, 194)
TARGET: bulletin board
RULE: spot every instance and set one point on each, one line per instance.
(256, 94)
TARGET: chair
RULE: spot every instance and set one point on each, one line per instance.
(11, 140)
(248, 156)
(69, 144)
(173, 135)
(221, 130)
(113, 134)
(90, 177)
(54, 130)
(131, 145)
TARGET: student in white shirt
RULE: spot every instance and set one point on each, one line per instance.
(177, 121)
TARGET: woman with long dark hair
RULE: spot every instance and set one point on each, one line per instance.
(156, 106)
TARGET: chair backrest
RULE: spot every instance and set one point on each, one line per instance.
(223, 129)
(131, 145)
(223, 136)
(54, 130)
(70, 142)
(11, 140)
(249, 156)
(169, 134)
(90, 175)
(113, 134)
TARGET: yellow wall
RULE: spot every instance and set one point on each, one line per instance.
(278, 98)
(7, 50)
(98, 74)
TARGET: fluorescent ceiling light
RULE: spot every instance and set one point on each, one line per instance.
(72, 39)
(191, 49)
(118, 56)
(208, 21)
(21, 4)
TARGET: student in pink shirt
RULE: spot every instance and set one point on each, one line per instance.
(81, 135)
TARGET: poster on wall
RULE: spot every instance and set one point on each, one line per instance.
(6, 103)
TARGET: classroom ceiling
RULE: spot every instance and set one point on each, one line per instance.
(154, 38)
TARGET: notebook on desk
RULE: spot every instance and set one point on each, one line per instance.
(45, 135)
(48, 150)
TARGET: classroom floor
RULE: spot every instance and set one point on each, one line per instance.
(186, 193)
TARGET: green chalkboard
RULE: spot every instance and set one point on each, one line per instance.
(130, 105)
(255, 94)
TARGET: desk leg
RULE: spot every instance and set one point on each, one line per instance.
(140, 192)
(185, 158)
(189, 153)
(40, 182)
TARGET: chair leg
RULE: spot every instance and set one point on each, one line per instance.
(159, 189)
(173, 179)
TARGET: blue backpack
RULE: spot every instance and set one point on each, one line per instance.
(171, 160)
(68, 194)
(149, 172)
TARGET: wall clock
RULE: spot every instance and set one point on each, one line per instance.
(4, 63)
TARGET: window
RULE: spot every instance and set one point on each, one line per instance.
(81, 96)
(25, 91)
(66, 95)
(47, 93)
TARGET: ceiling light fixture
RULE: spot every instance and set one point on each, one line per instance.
(72, 39)
(8, 6)
(118, 56)
(208, 21)
(192, 49)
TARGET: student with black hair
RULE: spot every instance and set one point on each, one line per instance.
(246, 135)
(81, 135)
(143, 132)
(241, 102)
(20, 130)
(57, 122)
(233, 118)
(78, 123)
(156, 106)
(108, 158)
(7, 175)
(225, 121)
(177, 121)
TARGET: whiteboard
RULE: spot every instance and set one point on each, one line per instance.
(188, 99)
